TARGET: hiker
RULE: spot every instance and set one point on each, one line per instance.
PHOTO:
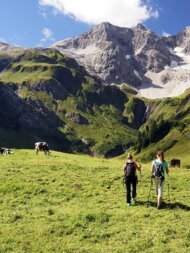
(158, 170)
(130, 178)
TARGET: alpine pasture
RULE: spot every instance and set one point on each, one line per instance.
(75, 203)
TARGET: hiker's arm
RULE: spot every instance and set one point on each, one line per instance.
(167, 168)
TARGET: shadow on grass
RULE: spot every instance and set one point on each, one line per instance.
(180, 206)
(146, 203)
(176, 205)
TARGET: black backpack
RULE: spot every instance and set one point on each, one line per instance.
(129, 170)
(158, 171)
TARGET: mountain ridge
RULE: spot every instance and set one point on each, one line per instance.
(124, 55)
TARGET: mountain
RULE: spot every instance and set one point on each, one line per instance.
(48, 96)
(52, 95)
(152, 64)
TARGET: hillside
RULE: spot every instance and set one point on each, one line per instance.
(167, 127)
(71, 203)
(50, 97)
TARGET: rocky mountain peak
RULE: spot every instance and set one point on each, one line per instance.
(5, 48)
(187, 29)
(119, 54)
(183, 39)
(140, 27)
(3, 44)
(103, 26)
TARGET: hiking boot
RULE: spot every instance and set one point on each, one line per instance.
(128, 204)
(134, 199)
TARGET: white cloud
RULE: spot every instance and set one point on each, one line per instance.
(47, 35)
(125, 13)
(165, 34)
(42, 12)
(154, 14)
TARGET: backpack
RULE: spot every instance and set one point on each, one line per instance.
(158, 172)
(129, 170)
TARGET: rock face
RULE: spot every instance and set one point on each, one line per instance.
(119, 55)
(150, 51)
(76, 118)
(182, 40)
(21, 116)
(9, 50)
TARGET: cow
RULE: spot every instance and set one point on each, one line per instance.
(175, 163)
(5, 151)
(42, 146)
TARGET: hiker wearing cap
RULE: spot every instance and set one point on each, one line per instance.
(158, 170)
(130, 178)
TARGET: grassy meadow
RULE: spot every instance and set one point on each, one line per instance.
(75, 203)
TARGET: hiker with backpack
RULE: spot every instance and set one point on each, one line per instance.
(158, 170)
(130, 178)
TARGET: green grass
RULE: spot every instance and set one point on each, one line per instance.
(111, 131)
(29, 72)
(74, 203)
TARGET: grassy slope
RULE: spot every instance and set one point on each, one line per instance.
(43, 211)
(175, 111)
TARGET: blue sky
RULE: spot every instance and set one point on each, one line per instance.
(28, 23)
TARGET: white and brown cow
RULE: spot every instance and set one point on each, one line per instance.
(42, 146)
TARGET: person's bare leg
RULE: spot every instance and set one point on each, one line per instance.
(159, 200)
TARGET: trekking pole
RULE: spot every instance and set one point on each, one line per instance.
(151, 184)
(141, 177)
(169, 193)
(140, 171)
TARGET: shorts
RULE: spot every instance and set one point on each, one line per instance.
(159, 186)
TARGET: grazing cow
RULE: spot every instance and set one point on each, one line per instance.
(5, 151)
(42, 146)
(175, 163)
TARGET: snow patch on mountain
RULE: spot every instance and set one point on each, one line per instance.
(128, 56)
(185, 63)
(161, 91)
(170, 82)
(173, 64)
